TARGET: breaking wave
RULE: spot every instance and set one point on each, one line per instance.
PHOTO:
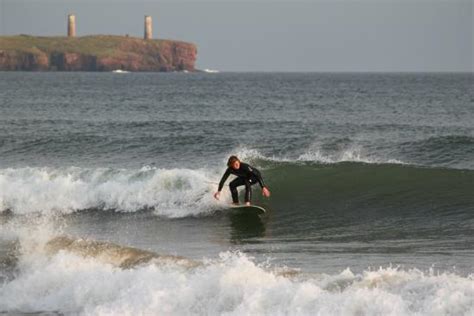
(74, 278)
(186, 192)
(172, 193)
(317, 155)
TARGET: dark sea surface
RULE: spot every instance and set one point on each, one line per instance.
(371, 213)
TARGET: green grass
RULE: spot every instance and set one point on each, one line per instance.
(98, 45)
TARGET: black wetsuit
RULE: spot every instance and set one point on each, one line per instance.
(246, 175)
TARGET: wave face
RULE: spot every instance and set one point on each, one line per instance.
(362, 186)
(113, 254)
(77, 280)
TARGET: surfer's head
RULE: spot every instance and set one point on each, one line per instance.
(233, 162)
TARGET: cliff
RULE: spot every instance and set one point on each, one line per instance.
(95, 53)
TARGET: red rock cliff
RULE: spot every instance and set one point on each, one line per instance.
(95, 53)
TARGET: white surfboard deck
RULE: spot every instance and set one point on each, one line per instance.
(250, 208)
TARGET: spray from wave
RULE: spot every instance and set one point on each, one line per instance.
(171, 193)
(353, 153)
(450, 151)
(87, 277)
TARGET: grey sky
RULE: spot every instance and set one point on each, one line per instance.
(265, 35)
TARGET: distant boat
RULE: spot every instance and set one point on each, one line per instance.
(120, 71)
(211, 71)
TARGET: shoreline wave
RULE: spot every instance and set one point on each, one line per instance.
(68, 281)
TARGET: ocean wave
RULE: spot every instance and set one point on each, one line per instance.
(176, 193)
(67, 281)
(447, 151)
(110, 253)
(452, 151)
(167, 192)
(354, 153)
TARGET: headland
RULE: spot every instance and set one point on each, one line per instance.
(95, 53)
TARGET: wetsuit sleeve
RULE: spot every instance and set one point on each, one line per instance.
(223, 179)
(257, 175)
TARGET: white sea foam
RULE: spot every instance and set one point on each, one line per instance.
(230, 285)
(211, 71)
(172, 192)
(350, 154)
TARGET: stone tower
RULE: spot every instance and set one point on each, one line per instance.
(71, 25)
(148, 27)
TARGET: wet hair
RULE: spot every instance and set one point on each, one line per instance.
(231, 160)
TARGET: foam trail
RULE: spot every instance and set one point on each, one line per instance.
(169, 192)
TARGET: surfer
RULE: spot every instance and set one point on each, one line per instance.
(246, 175)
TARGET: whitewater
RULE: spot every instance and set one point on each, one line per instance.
(77, 276)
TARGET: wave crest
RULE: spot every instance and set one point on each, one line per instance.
(172, 192)
(352, 153)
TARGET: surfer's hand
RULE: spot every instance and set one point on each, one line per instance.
(217, 195)
(265, 192)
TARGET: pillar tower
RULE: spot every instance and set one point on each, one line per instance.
(71, 25)
(148, 27)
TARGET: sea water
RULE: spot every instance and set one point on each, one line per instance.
(371, 213)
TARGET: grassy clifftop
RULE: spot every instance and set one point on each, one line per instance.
(98, 52)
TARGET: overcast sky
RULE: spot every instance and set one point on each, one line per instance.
(266, 35)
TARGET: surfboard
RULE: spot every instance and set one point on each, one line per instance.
(249, 208)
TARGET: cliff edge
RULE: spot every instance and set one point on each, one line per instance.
(95, 53)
